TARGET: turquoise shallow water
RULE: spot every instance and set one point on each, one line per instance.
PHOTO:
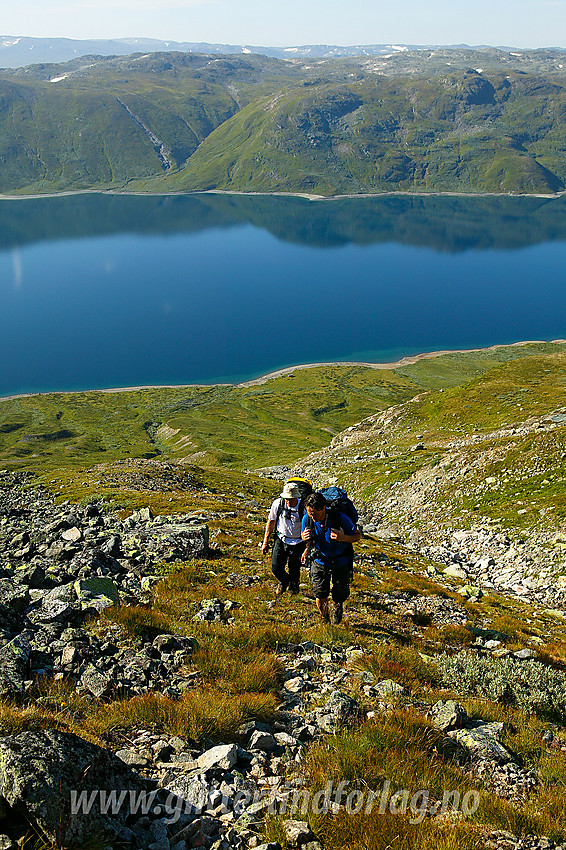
(107, 291)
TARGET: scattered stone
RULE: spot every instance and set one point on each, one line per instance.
(297, 833)
(449, 715)
(436, 610)
(510, 781)
(222, 757)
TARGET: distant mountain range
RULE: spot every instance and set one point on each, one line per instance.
(434, 120)
(17, 51)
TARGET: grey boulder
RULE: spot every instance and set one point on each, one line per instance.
(43, 775)
(448, 715)
(169, 542)
(14, 661)
(222, 757)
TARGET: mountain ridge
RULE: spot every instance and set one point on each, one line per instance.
(166, 122)
(19, 50)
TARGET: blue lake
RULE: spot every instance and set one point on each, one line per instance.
(109, 291)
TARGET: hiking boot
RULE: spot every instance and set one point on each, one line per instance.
(323, 610)
(294, 588)
(338, 613)
(280, 589)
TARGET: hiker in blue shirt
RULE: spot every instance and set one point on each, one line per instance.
(330, 532)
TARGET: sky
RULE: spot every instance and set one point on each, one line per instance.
(518, 23)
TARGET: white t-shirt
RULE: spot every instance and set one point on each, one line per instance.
(290, 524)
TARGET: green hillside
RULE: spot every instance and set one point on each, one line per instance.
(490, 449)
(229, 427)
(57, 136)
(185, 122)
(465, 132)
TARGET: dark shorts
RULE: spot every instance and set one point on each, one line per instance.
(321, 576)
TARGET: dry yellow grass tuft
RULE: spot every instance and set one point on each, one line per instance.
(201, 714)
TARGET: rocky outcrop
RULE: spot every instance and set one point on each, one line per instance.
(45, 775)
(60, 564)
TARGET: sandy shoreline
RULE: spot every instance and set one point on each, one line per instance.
(304, 195)
(404, 361)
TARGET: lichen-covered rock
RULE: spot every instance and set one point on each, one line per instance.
(42, 774)
(97, 593)
(96, 681)
(57, 605)
(343, 709)
(448, 715)
(170, 542)
(166, 644)
(14, 660)
(192, 789)
(31, 574)
(481, 742)
(211, 611)
(14, 596)
(471, 591)
(389, 688)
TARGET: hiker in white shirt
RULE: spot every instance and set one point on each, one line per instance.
(285, 518)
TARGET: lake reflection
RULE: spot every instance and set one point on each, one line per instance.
(102, 290)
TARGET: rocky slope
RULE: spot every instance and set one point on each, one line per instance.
(63, 564)
(156, 693)
(486, 499)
